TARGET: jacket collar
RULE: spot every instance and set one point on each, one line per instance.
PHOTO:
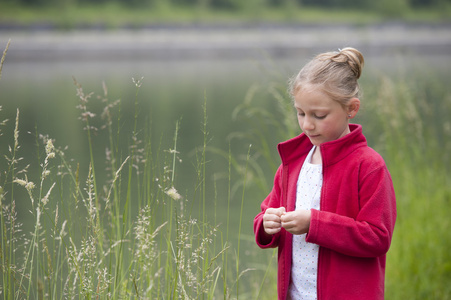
(331, 152)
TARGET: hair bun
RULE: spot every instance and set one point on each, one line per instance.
(335, 73)
(353, 58)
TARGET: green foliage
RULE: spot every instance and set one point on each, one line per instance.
(234, 4)
(66, 14)
(415, 140)
(392, 8)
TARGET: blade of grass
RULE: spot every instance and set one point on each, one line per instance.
(241, 218)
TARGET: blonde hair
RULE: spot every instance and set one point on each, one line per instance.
(335, 73)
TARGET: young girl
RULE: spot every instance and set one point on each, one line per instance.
(332, 208)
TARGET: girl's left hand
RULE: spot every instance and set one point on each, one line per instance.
(296, 222)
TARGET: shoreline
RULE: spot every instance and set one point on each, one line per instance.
(224, 42)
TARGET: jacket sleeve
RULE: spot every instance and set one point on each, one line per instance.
(369, 233)
(272, 200)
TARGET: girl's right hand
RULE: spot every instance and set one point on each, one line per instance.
(271, 220)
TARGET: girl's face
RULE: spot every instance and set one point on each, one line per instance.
(321, 118)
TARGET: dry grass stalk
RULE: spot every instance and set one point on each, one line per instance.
(3, 57)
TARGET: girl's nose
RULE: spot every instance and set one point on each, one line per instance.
(308, 124)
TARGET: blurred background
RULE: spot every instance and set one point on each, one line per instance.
(188, 50)
(222, 54)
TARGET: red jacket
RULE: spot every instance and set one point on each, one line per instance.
(355, 224)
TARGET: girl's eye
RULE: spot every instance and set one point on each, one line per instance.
(320, 117)
(301, 114)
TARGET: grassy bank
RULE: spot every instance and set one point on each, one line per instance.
(111, 15)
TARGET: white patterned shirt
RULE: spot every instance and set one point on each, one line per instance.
(304, 266)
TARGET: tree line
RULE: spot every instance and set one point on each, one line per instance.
(250, 4)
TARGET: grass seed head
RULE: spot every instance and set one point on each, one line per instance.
(172, 192)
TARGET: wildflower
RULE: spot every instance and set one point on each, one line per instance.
(172, 192)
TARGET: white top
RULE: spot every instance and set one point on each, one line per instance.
(304, 266)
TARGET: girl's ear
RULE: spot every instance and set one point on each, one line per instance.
(353, 107)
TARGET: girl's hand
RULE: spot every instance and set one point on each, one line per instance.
(271, 220)
(296, 222)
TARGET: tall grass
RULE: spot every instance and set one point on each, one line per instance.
(118, 225)
(112, 229)
(413, 114)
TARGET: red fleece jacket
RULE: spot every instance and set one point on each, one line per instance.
(354, 226)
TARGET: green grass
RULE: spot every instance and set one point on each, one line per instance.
(119, 227)
(415, 140)
(112, 15)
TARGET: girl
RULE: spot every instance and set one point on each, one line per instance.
(332, 209)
